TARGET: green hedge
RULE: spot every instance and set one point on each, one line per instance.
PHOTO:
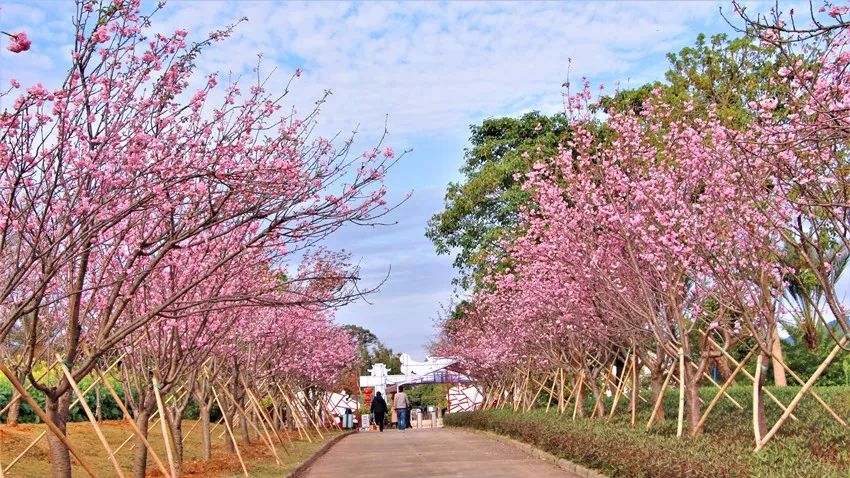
(109, 409)
(813, 446)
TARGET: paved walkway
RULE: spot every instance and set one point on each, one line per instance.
(438, 452)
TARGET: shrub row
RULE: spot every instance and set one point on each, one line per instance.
(109, 409)
(812, 446)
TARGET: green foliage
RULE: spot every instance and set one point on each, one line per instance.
(370, 351)
(485, 207)
(804, 360)
(812, 446)
(109, 409)
(428, 394)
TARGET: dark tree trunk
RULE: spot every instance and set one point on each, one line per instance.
(14, 409)
(140, 459)
(58, 411)
(206, 439)
(693, 408)
(175, 426)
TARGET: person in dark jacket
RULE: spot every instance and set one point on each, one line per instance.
(379, 408)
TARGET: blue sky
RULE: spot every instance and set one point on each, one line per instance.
(430, 69)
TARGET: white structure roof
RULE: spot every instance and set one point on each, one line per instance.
(432, 370)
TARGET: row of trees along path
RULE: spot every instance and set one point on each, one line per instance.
(163, 230)
(670, 233)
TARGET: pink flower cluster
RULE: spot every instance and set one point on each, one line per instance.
(20, 42)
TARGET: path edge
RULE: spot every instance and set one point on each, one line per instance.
(566, 465)
(301, 470)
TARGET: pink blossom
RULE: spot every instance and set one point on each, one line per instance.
(19, 43)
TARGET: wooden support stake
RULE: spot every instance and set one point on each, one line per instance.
(811, 392)
(132, 423)
(681, 418)
(724, 388)
(166, 433)
(230, 432)
(307, 414)
(578, 391)
(756, 398)
(811, 381)
(660, 398)
(635, 393)
(293, 412)
(263, 414)
(244, 413)
(43, 416)
(620, 386)
(155, 422)
(91, 417)
(749, 375)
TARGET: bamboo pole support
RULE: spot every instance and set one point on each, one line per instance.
(268, 439)
(244, 413)
(166, 433)
(43, 416)
(91, 417)
(293, 413)
(578, 391)
(660, 397)
(570, 396)
(681, 416)
(725, 386)
(749, 375)
(73, 404)
(155, 422)
(728, 397)
(230, 432)
(838, 347)
(756, 397)
(132, 423)
(263, 413)
(635, 392)
(306, 412)
(812, 392)
(620, 386)
(536, 395)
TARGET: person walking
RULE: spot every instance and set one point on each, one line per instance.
(401, 405)
(379, 409)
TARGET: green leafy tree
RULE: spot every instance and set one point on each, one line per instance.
(484, 208)
(370, 351)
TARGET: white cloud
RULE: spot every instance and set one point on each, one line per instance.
(434, 68)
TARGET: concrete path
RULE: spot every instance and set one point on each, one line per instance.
(438, 452)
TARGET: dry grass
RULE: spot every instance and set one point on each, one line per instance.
(258, 457)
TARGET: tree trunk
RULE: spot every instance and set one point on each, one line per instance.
(228, 441)
(656, 382)
(206, 439)
(175, 426)
(14, 409)
(140, 459)
(98, 413)
(243, 425)
(693, 408)
(60, 458)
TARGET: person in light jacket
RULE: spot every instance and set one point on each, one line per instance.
(379, 408)
(401, 405)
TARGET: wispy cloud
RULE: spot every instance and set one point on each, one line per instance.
(433, 68)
